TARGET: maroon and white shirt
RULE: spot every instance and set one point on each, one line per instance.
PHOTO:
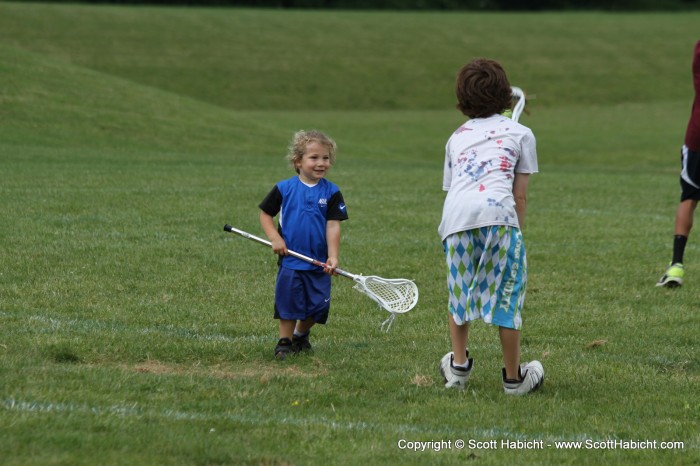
(692, 134)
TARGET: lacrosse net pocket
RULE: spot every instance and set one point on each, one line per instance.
(395, 295)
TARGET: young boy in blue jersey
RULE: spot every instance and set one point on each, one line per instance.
(311, 209)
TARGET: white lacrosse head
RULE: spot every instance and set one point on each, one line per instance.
(519, 97)
(396, 295)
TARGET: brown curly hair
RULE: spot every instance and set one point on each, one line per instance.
(483, 89)
(297, 148)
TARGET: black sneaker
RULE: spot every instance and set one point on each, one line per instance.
(284, 348)
(301, 343)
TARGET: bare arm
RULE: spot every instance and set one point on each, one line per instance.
(268, 226)
(333, 240)
(520, 196)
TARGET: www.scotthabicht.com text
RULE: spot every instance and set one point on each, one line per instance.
(588, 444)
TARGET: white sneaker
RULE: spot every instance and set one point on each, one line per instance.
(455, 376)
(531, 378)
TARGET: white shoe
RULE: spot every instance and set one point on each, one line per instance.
(455, 376)
(531, 378)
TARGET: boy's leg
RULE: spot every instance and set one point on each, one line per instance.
(684, 217)
(690, 193)
(673, 277)
(460, 256)
(508, 302)
(303, 326)
(510, 341)
(518, 379)
(317, 292)
(286, 309)
(459, 335)
(456, 366)
(287, 328)
(284, 345)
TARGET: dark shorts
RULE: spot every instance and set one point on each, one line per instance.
(690, 174)
(300, 294)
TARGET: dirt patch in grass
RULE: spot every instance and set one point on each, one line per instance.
(265, 371)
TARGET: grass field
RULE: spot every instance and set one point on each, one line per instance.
(133, 330)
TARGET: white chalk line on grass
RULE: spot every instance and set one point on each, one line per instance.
(12, 404)
(87, 325)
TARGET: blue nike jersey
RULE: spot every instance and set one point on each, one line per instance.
(304, 211)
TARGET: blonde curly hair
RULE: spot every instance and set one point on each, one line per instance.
(297, 148)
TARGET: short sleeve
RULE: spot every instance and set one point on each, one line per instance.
(272, 204)
(336, 207)
(527, 163)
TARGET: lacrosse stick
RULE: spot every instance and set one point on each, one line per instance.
(519, 97)
(396, 295)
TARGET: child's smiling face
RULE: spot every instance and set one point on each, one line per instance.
(314, 164)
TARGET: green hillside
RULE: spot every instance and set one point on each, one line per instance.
(278, 59)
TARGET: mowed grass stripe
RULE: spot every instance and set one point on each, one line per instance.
(24, 406)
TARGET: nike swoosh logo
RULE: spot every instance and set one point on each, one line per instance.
(342, 207)
(326, 300)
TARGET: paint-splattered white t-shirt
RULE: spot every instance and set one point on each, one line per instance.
(481, 159)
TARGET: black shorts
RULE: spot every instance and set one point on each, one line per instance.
(690, 174)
